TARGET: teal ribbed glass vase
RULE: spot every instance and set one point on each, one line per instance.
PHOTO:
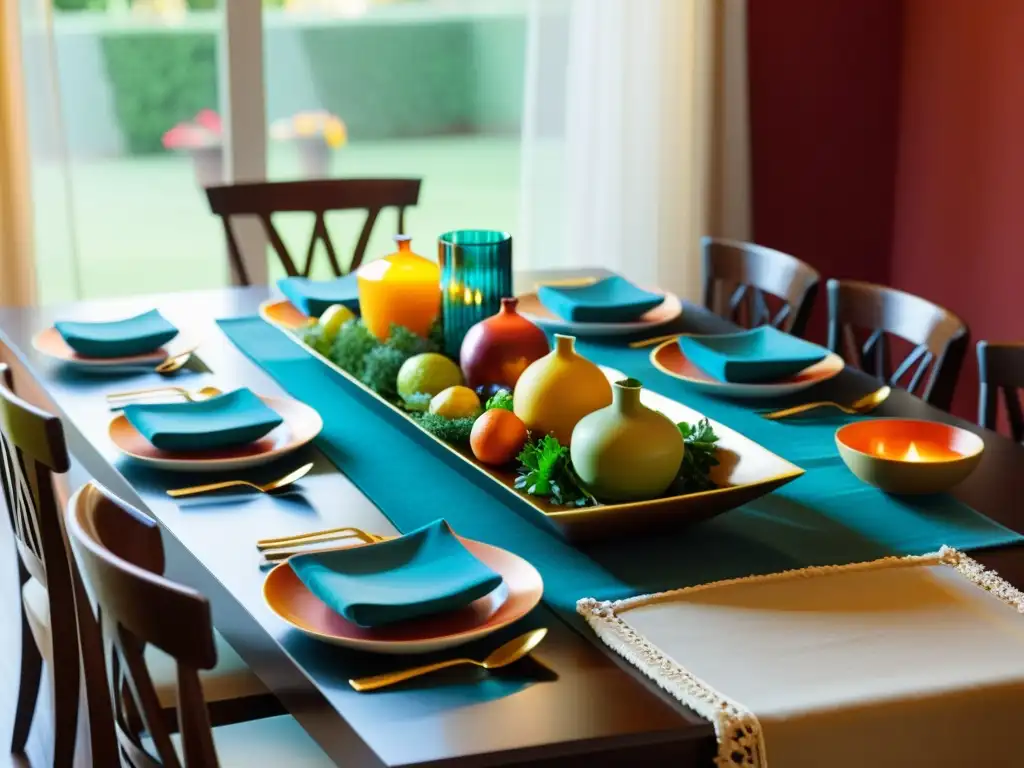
(476, 273)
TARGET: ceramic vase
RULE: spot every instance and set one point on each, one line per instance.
(400, 289)
(497, 350)
(627, 451)
(558, 390)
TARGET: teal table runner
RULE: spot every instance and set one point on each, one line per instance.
(825, 517)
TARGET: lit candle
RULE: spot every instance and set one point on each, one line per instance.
(916, 451)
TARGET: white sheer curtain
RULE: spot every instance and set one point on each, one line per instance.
(635, 136)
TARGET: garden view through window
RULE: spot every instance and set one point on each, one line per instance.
(354, 88)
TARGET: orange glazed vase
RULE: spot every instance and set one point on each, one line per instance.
(402, 288)
(497, 350)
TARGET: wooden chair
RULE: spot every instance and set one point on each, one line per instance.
(318, 196)
(938, 337)
(32, 449)
(1001, 370)
(746, 272)
(121, 559)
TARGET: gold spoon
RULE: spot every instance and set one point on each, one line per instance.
(175, 362)
(271, 487)
(504, 655)
(194, 395)
(865, 404)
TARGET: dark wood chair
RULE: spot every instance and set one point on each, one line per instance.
(121, 559)
(262, 200)
(861, 319)
(32, 449)
(1001, 370)
(738, 275)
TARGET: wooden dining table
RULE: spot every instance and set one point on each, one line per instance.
(573, 703)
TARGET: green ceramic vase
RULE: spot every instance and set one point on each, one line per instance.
(627, 451)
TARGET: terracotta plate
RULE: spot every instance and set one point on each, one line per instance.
(520, 592)
(669, 358)
(50, 343)
(531, 308)
(301, 424)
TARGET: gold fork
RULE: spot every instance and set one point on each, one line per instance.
(283, 547)
(192, 395)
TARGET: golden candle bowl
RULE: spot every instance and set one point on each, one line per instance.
(909, 456)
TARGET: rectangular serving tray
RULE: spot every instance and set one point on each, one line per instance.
(746, 472)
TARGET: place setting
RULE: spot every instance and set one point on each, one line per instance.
(759, 363)
(605, 306)
(426, 591)
(147, 340)
(207, 430)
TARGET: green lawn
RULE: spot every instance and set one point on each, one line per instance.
(142, 226)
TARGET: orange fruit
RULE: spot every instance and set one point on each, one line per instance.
(497, 437)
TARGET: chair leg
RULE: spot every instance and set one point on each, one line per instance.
(28, 686)
(66, 691)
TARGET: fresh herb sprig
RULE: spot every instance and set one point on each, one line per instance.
(700, 456)
(501, 399)
(546, 470)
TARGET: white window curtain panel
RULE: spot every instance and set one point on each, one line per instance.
(635, 136)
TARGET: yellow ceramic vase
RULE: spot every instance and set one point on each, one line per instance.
(558, 390)
(403, 289)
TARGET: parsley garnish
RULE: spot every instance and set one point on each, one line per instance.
(700, 456)
(545, 470)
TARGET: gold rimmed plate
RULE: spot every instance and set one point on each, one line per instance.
(520, 591)
(533, 310)
(301, 424)
(670, 359)
(49, 342)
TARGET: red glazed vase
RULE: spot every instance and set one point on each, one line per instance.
(497, 350)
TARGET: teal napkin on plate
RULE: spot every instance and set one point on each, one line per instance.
(426, 571)
(234, 418)
(313, 297)
(759, 355)
(610, 300)
(119, 338)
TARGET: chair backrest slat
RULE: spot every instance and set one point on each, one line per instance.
(1001, 370)
(120, 553)
(752, 271)
(317, 197)
(938, 337)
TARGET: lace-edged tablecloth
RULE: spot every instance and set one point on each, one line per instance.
(897, 662)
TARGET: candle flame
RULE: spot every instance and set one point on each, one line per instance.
(467, 296)
(478, 298)
(912, 453)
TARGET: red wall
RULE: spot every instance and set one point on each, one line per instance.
(888, 145)
(959, 233)
(824, 96)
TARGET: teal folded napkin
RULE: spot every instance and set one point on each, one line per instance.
(313, 297)
(234, 418)
(610, 300)
(119, 338)
(427, 571)
(759, 355)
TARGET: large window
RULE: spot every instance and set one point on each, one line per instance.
(427, 88)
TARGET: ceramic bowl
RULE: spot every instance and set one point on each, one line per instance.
(907, 456)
